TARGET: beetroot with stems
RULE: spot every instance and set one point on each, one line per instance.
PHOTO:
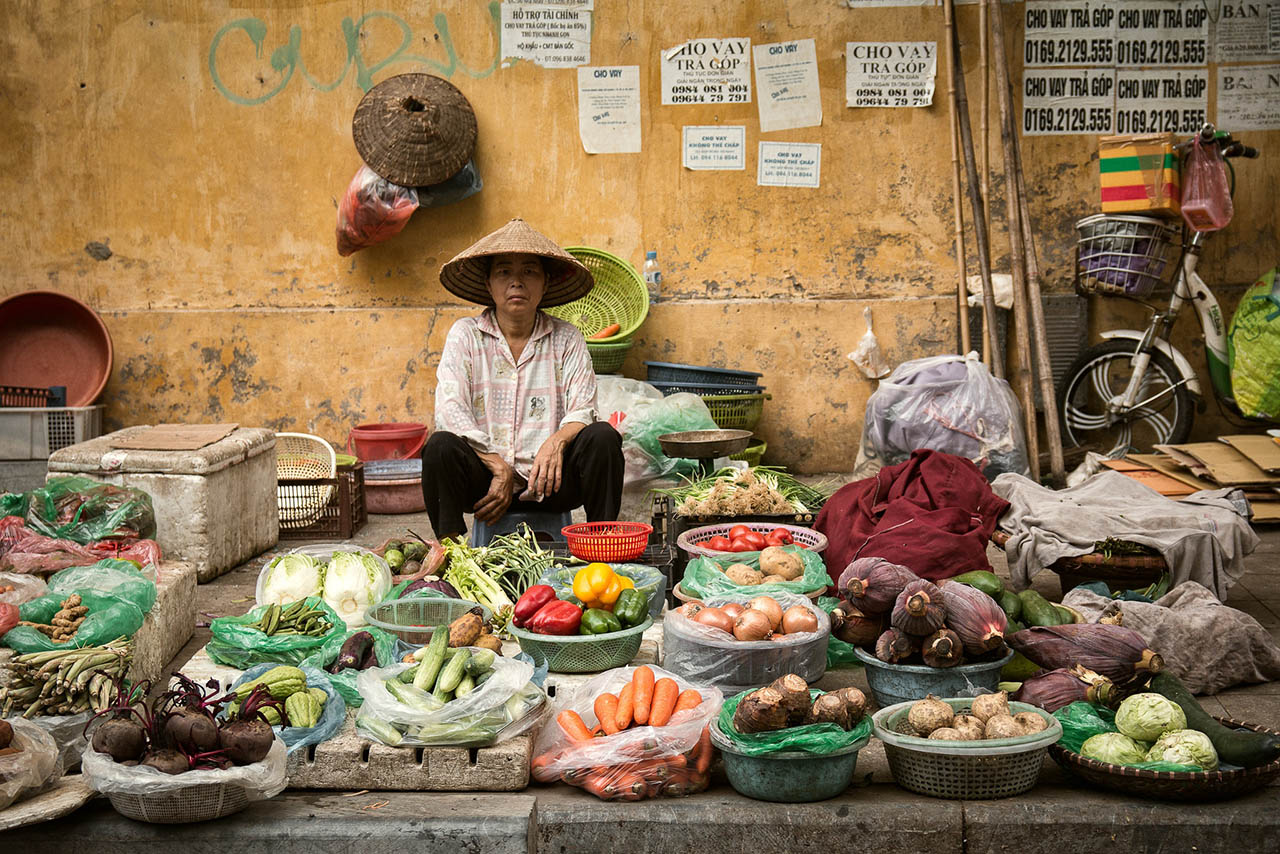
(247, 738)
(167, 761)
(872, 584)
(189, 715)
(123, 736)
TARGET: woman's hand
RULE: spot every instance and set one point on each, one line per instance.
(548, 466)
(495, 502)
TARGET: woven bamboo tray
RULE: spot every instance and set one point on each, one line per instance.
(1191, 786)
(1119, 572)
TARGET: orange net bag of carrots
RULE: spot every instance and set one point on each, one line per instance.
(373, 210)
(629, 734)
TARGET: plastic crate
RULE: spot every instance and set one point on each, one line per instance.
(735, 411)
(18, 395)
(345, 513)
(33, 433)
(674, 372)
(702, 389)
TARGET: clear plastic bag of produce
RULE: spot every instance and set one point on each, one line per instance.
(1081, 721)
(119, 578)
(84, 510)
(946, 403)
(32, 768)
(331, 719)
(638, 762)
(344, 681)
(704, 576)
(616, 397)
(709, 656)
(260, 781)
(839, 653)
(819, 739)
(108, 618)
(25, 588)
(67, 732)
(648, 580)
(648, 419)
(236, 644)
(501, 708)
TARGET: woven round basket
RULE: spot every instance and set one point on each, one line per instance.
(1119, 572)
(194, 803)
(1191, 786)
(583, 653)
(691, 540)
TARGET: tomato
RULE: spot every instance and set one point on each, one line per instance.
(777, 537)
(718, 544)
(741, 545)
(756, 541)
(738, 531)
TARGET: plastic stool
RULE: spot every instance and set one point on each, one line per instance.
(548, 524)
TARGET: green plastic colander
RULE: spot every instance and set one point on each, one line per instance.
(619, 296)
(583, 653)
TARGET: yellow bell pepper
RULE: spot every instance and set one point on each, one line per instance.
(597, 586)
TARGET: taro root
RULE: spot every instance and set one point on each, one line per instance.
(850, 625)
(894, 646)
(855, 701)
(941, 649)
(947, 733)
(987, 706)
(1030, 722)
(919, 609)
(1003, 726)
(929, 714)
(760, 711)
(976, 618)
(873, 584)
(167, 761)
(795, 697)
(829, 709)
(466, 630)
(969, 727)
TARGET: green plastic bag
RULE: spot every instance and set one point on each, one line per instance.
(839, 653)
(818, 739)
(108, 618)
(235, 644)
(1081, 720)
(119, 578)
(1253, 349)
(84, 511)
(705, 576)
(384, 650)
(13, 504)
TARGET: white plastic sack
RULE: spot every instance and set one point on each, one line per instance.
(484, 712)
(25, 587)
(709, 656)
(260, 781)
(616, 397)
(24, 773)
(867, 355)
(946, 403)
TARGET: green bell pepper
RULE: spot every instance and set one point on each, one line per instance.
(597, 621)
(631, 608)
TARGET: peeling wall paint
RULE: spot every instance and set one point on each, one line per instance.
(178, 165)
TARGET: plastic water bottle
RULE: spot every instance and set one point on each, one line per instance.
(652, 275)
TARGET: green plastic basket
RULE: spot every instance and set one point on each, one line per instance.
(619, 296)
(736, 411)
(753, 454)
(414, 620)
(608, 358)
(583, 653)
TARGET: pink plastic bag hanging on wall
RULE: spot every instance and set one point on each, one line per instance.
(1206, 191)
(373, 210)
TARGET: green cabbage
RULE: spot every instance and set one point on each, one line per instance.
(292, 577)
(1185, 747)
(353, 582)
(1146, 717)
(1113, 748)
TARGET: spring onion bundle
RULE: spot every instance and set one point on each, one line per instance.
(758, 490)
(496, 575)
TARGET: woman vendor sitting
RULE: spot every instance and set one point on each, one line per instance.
(515, 411)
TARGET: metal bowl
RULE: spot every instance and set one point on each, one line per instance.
(704, 444)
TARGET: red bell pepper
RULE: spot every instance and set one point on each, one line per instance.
(556, 618)
(531, 602)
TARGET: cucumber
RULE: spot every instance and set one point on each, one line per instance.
(1018, 669)
(1065, 616)
(1037, 610)
(465, 687)
(988, 582)
(429, 667)
(1011, 604)
(453, 672)
(481, 660)
(1246, 749)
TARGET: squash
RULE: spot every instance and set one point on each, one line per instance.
(1246, 749)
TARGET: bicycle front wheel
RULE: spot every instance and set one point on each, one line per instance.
(1163, 409)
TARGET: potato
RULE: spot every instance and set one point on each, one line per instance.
(743, 575)
(775, 561)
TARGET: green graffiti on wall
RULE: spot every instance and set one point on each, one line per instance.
(287, 59)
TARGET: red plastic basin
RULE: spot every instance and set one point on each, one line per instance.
(390, 441)
(48, 339)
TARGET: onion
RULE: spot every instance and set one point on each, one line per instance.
(691, 609)
(752, 625)
(798, 618)
(714, 618)
(733, 609)
(770, 608)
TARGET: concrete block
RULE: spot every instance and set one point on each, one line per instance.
(306, 823)
(215, 507)
(168, 625)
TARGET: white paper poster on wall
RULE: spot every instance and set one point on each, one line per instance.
(787, 91)
(709, 147)
(1062, 101)
(1161, 100)
(1161, 32)
(890, 74)
(789, 164)
(609, 109)
(1247, 32)
(548, 34)
(1249, 97)
(1068, 32)
(707, 71)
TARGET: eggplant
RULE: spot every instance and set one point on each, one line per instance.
(431, 582)
(353, 652)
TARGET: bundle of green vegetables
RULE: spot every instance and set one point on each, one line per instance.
(755, 490)
(498, 574)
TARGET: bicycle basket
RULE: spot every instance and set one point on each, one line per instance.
(1123, 255)
(303, 456)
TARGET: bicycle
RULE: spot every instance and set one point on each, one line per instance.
(1135, 389)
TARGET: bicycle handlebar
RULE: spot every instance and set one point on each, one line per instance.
(1230, 147)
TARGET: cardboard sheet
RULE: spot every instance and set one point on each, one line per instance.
(1164, 465)
(1162, 483)
(1226, 465)
(1261, 449)
(175, 437)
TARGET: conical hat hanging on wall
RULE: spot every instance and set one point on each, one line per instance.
(415, 129)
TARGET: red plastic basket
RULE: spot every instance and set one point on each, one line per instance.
(691, 540)
(610, 542)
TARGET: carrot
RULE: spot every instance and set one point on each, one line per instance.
(665, 693)
(642, 679)
(626, 705)
(688, 699)
(571, 722)
(541, 771)
(704, 750)
(608, 332)
(606, 707)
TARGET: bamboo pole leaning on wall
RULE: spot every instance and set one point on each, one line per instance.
(962, 277)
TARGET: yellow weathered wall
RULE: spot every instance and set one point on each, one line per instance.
(217, 197)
